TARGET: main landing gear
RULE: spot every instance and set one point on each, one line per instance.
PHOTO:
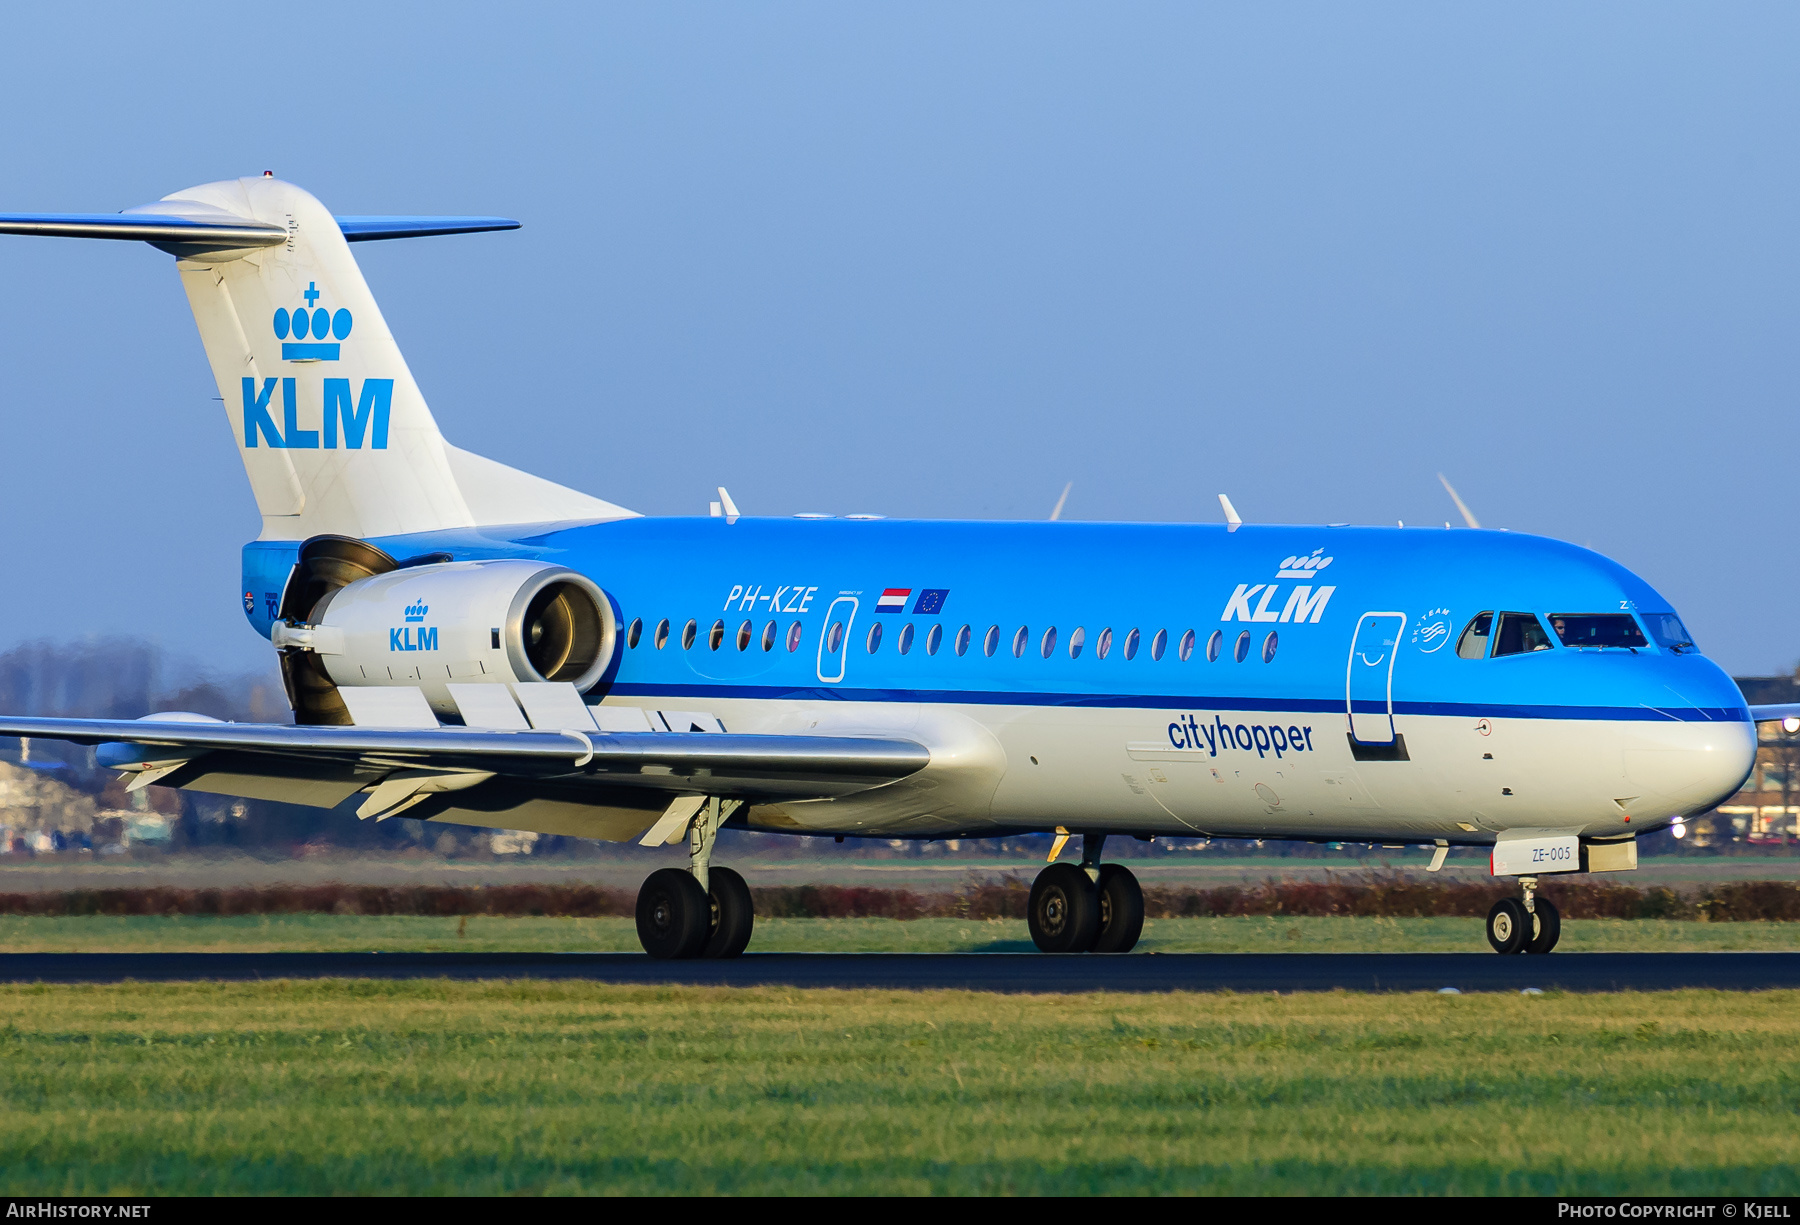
(1528, 926)
(1087, 908)
(702, 912)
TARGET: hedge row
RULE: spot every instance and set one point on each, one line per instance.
(1006, 899)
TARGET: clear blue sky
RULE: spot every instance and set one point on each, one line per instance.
(939, 259)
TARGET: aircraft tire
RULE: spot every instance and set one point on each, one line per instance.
(733, 915)
(1507, 925)
(1121, 919)
(673, 915)
(1064, 910)
(1546, 928)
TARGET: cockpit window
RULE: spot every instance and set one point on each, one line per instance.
(1598, 630)
(1519, 633)
(1669, 632)
(1474, 641)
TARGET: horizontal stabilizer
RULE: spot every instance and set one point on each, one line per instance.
(223, 230)
(371, 229)
(233, 231)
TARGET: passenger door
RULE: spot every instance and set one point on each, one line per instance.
(1369, 680)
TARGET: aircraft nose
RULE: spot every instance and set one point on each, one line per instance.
(1682, 771)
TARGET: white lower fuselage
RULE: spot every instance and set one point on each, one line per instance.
(998, 769)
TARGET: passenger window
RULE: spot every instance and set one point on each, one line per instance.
(634, 633)
(1185, 651)
(1474, 641)
(688, 633)
(716, 636)
(662, 633)
(1214, 644)
(1103, 644)
(834, 637)
(934, 639)
(991, 643)
(1598, 630)
(1158, 644)
(962, 640)
(1077, 638)
(906, 637)
(768, 639)
(1019, 641)
(744, 634)
(1242, 650)
(1131, 645)
(795, 633)
(1269, 644)
(1519, 634)
(1049, 643)
(874, 637)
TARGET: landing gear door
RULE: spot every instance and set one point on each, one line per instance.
(1369, 680)
(834, 641)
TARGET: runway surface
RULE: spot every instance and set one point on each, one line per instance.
(1006, 972)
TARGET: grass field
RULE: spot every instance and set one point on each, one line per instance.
(438, 1087)
(480, 933)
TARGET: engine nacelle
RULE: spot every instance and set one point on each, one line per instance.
(435, 625)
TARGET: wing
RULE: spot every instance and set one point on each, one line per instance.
(1770, 714)
(591, 783)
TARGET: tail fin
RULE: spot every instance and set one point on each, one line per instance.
(334, 434)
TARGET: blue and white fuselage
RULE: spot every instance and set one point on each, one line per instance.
(1154, 679)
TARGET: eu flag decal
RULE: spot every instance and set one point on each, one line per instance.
(931, 601)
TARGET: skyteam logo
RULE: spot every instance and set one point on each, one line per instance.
(406, 638)
(1431, 630)
(1304, 603)
(326, 328)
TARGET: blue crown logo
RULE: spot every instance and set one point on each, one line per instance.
(326, 328)
(416, 612)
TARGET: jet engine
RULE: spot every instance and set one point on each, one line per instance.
(432, 622)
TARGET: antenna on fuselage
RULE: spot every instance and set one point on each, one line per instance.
(1231, 515)
(1057, 513)
(1468, 516)
(724, 508)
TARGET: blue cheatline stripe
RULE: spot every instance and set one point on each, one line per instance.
(1150, 701)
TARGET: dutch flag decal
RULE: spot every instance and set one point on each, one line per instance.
(893, 599)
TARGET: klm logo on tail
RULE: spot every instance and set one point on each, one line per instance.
(355, 418)
(315, 321)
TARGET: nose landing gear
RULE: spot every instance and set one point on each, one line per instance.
(1528, 926)
(1090, 907)
(702, 912)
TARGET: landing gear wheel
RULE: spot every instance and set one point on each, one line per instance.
(1064, 911)
(672, 915)
(1121, 919)
(1546, 927)
(732, 914)
(1508, 925)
